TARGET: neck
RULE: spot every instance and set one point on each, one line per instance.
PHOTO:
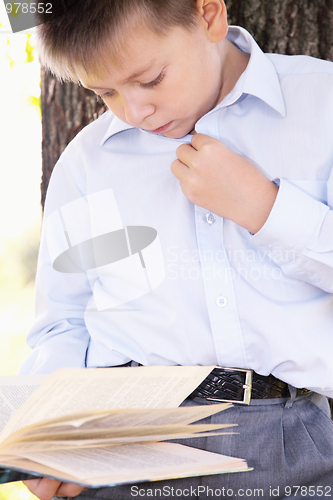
(236, 62)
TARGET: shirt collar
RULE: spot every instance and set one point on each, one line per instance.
(115, 127)
(259, 79)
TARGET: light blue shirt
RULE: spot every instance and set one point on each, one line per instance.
(167, 282)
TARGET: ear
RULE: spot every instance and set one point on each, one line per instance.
(213, 14)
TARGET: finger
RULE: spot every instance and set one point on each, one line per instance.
(32, 484)
(43, 488)
(179, 170)
(186, 154)
(199, 140)
(69, 490)
(183, 148)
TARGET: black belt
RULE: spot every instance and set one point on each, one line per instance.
(239, 386)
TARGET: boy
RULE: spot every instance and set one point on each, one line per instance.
(213, 257)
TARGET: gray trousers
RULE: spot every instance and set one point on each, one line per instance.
(289, 444)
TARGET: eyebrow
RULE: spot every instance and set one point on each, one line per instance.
(134, 75)
(139, 72)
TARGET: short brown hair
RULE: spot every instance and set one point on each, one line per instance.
(75, 42)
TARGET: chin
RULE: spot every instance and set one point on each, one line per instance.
(175, 134)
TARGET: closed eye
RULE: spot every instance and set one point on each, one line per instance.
(107, 94)
(154, 82)
(151, 84)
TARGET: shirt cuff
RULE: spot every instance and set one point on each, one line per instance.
(294, 220)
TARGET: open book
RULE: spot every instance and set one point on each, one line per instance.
(104, 427)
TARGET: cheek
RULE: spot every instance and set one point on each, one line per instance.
(116, 107)
(180, 99)
(191, 90)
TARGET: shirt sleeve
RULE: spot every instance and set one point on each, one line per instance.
(59, 337)
(298, 236)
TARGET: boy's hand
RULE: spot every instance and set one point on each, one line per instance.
(225, 183)
(46, 489)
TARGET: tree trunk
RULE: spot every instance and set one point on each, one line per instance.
(287, 26)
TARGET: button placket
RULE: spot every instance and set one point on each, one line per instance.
(219, 290)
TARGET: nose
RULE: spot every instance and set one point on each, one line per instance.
(137, 111)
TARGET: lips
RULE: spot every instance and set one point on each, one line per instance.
(161, 129)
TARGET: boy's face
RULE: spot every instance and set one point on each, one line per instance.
(163, 84)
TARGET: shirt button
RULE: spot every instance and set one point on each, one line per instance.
(221, 301)
(210, 218)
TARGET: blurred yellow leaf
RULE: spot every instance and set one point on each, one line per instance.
(29, 49)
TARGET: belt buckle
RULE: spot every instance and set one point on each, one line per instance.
(247, 387)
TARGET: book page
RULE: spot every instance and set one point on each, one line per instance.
(114, 419)
(131, 433)
(132, 463)
(29, 467)
(14, 391)
(93, 432)
(19, 449)
(70, 390)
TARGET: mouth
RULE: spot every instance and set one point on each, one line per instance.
(161, 129)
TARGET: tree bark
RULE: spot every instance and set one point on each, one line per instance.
(287, 26)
